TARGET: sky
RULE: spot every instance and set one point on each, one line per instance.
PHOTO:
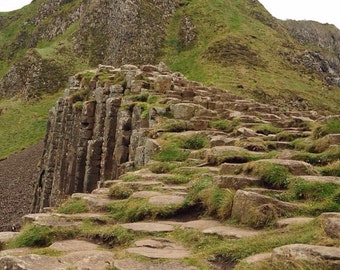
(324, 11)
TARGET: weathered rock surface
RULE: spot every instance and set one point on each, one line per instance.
(250, 206)
(231, 232)
(148, 227)
(31, 262)
(130, 264)
(311, 254)
(159, 248)
(7, 236)
(89, 259)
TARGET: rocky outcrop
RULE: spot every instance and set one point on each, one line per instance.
(326, 60)
(108, 121)
(101, 127)
(111, 32)
(32, 76)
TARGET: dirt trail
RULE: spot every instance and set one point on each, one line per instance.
(17, 175)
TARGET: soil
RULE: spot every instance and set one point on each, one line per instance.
(17, 176)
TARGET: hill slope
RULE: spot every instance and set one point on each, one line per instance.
(236, 45)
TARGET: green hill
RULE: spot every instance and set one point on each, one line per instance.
(235, 45)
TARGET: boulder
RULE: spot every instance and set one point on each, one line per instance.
(312, 255)
(185, 111)
(331, 225)
(259, 210)
(295, 167)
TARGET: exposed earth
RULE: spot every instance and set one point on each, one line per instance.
(17, 175)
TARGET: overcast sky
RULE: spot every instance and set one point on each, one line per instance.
(325, 11)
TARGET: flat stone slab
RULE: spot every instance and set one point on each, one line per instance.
(101, 191)
(7, 236)
(95, 202)
(295, 220)
(148, 227)
(231, 232)
(159, 248)
(201, 224)
(235, 181)
(50, 220)
(73, 245)
(166, 200)
(323, 179)
(145, 194)
(130, 264)
(136, 185)
(89, 259)
(32, 262)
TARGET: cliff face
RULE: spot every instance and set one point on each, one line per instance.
(325, 41)
(89, 32)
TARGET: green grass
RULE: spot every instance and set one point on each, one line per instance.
(73, 206)
(258, 63)
(134, 210)
(23, 124)
(271, 175)
(41, 236)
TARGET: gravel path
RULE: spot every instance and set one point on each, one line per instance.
(17, 177)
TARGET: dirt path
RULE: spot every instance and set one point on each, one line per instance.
(17, 176)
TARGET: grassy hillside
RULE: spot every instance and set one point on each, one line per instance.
(237, 45)
(240, 47)
(22, 124)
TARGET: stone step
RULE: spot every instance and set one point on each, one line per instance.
(159, 248)
(322, 179)
(235, 181)
(149, 227)
(231, 232)
(230, 168)
(95, 202)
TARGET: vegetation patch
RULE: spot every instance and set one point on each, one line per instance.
(271, 175)
(195, 142)
(172, 153)
(120, 192)
(267, 129)
(330, 155)
(232, 50)
(41, 236)
(224, 125)
(331, 169)
(73, 206)
(332, 126)
(134, 210)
